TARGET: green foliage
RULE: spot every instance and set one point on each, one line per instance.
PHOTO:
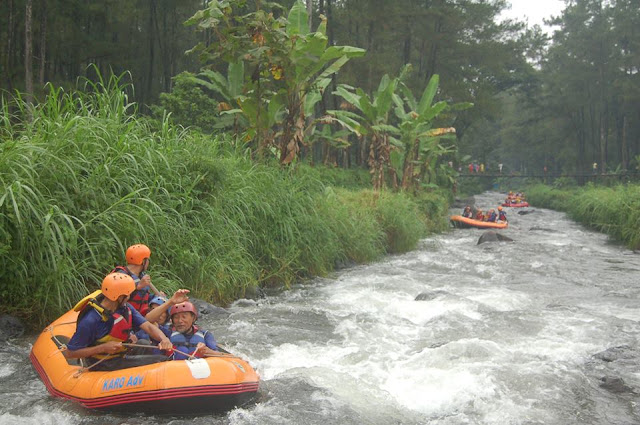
(188, 104)
(351, 178)
(473, 186)
(291, 67)
(565, 182)
(85, 178)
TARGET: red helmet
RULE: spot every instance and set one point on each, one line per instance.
(116, 285)
(136, 254)
(185, 306)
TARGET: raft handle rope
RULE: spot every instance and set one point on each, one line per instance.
(191, 356)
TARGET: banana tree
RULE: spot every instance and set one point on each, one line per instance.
(292, 66)
(307, 65)
(419, 144)
(371, 121)
(229, 89)
(333, 142)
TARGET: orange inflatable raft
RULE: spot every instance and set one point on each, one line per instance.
(516, 205)
(173, 387)
(465, 223)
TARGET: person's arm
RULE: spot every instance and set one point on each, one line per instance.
(156, 334)
(146, 281)
(79, 346)
(178, 297)
(208, 347)
(110, 347)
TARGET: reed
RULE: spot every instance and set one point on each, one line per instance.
(86, 177)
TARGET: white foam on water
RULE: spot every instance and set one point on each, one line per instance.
(6, 370)
(294, 356)
(501, 299)
(39, 416)
(438, 391)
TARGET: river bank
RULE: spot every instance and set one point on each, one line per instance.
(611, 210)
(86, 177)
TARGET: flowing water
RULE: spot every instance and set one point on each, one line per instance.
(542, 330)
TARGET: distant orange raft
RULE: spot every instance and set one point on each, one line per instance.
(465, 223)
(514, 205)
(171, 387)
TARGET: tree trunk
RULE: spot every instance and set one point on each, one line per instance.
(310, 13)
(408, 167)
(28, 59)
(9, 58)
(43, 41)
(624, 154)
(406, 57)
(152, 36)
(603, 142)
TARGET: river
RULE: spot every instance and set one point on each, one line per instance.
(542, 330)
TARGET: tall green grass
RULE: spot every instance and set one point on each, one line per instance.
(85, 178)
(611, 210)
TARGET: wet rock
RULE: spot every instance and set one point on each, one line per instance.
(623, 352)
(461, 203)
(209, 309)
(525, 212)
(542, 229)
(254, 293)
(615, 385)
(492, 236)
(243, 302)
(428, 296)
(10, 327)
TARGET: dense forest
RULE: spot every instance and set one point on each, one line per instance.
(564, 102)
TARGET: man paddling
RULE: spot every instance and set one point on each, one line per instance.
(106, 321)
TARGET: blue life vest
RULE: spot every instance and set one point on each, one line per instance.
(503, 216)
(187, 343)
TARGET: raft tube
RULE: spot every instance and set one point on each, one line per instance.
(519, 205)
(465, 223)
(211, 384)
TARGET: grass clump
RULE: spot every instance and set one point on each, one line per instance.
(84, 178)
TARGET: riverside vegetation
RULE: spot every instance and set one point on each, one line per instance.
(613, 210)
(85, 177)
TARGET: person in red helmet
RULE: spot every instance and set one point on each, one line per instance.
(137, 258)
(188, 338)
(105, 322)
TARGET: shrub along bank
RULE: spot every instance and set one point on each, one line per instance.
(612, 210)
(84, 179)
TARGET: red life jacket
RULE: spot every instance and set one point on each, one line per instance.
(139, 298)
(120, 330)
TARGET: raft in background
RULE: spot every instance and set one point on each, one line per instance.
(518, 205)
(465, 223)
(212, 384)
